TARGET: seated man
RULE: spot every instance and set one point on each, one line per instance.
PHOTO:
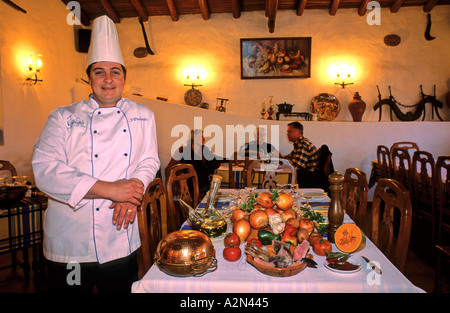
(200, 157)
(304, 157)
(259, 147)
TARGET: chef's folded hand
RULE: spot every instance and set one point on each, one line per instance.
(124, 190)
(124, 214)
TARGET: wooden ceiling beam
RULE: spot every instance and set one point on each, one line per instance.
(111, 12)
(429, 5)
(172, 10)
(204, 9)
(84, 18)
(334, 5)
(363, 8)
(301, 7)
(140, 9)
(272, 8)
(236, 8)
(396, 6)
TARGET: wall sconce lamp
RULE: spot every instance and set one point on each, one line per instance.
(193, 96)
(343, 74)
(343, 81)
(34, 66)
(193, 83)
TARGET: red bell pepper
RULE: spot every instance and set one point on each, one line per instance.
(289, 235)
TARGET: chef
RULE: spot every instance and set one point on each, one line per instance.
(94, 160)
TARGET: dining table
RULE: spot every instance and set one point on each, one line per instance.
(22, 228)
(241, 277)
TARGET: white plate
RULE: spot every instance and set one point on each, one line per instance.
(313, 194)
(350, 260)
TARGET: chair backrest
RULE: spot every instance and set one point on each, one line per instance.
(384, 162)
(354, 195)
(424, 181)
(181, 176)
(271, 172)
(7, 166)
(242, 159)
(152, 217)
(325, 167)
(443, 196)
(401, 167)
(390, 196)
(408, 145)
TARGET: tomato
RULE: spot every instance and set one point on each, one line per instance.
(232, 253)
(321, 245)
(284, 201)
(264, 199)
(231, 239)
(255, 241)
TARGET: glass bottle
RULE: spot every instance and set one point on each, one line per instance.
(214, 223)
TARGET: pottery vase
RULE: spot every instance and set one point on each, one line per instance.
(357, 107)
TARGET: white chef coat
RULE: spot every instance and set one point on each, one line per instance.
(80, 144)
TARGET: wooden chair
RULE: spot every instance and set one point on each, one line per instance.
(424, 199)
(410, 146)
(389, 196)
(443, 199)
(151, 216)
(325, 167)
(401, 168)
(384, 163)
(354, 195)
(181, 176)
(7, 166)
(241, 159)
(271, 171)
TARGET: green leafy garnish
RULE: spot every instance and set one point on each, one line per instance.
(250, 203)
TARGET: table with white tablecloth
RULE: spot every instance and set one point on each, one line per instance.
(242, 277)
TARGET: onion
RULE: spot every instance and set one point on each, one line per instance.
(258, 219)
(307, 224)
(242, 228)
(270, 212)
(264, 200)
(302, 235)
(294, 222)
(288, 214)
(237, 215)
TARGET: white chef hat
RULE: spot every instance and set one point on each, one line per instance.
(104, 45)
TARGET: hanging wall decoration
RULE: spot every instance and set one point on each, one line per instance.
(288, 57)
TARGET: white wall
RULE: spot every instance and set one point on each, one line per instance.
(43, 30)
(346, 37)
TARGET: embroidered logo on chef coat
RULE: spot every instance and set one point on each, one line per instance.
(138, 119)
(74, 120)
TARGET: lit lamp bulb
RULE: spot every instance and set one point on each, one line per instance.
(30, 63)
(39, 63)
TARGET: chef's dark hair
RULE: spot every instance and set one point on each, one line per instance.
(88, 70)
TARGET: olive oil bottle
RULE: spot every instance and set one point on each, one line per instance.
(213, 223)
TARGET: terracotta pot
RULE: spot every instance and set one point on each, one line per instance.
(357, 107)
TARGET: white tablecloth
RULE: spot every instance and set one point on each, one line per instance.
(241, 277)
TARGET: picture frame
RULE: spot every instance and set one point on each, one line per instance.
(271, 58)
